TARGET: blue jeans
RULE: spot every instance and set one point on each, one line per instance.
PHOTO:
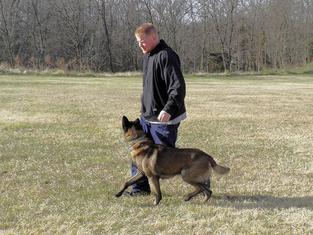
(161, 134)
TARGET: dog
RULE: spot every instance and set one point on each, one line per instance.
(160, 162)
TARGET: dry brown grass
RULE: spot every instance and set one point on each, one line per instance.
(62, 157)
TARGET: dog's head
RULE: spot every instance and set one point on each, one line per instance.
(132, 129)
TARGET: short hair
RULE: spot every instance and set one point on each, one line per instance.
(145, 29)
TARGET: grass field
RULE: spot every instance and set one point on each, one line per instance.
(62, 157)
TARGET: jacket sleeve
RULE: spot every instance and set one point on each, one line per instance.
(174, 80)
(144, 66)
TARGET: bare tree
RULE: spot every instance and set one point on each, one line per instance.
(99, 34)
(8, 13)
(72, 22)
(222, 14)
(305, 12)
(170, 15)
(102, 7)
(249, 36)
(40, 16)
(148, 6)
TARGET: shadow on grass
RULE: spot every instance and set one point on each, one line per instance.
(265, 202)
(308, 72)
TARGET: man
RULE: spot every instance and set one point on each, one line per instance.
(162, 101)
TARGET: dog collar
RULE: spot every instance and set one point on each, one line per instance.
(135, 141)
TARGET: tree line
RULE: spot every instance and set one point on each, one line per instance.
(209, 35)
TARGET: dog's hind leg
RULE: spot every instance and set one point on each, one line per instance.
(198, 190)
(208, 183)
(154, 182)
(207, 191)
(130, 182)
(197, 176)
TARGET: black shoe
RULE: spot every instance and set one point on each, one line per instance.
(136, 193)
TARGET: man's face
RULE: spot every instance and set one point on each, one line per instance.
(146, 42)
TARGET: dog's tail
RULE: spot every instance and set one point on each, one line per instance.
(221, 170)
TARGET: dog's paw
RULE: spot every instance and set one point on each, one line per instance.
(157, 201)
(119, 194)
(207, 196)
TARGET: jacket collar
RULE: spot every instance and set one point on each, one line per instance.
(162, 45)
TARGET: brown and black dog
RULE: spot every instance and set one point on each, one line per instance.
(159, 162)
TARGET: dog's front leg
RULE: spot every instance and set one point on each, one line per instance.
(130, 182)
(155, 185)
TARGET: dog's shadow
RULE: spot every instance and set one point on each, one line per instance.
(263, 202)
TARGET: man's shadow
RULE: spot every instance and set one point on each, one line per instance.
(264, 202)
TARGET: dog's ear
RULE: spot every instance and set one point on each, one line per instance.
(137, 121)
(137, 124)
(125, 123)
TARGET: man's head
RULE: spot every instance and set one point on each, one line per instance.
(147, 37)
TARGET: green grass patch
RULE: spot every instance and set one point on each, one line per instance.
(62, 156)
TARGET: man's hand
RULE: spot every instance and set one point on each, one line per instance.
(164, 116)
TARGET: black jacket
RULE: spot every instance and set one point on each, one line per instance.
(163, 83)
